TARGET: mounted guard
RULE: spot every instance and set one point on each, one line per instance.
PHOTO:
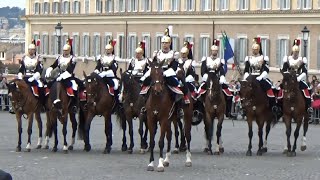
(257, 65)
(107, 67)
(168, 58)
(216, 64)
(299, 65)
(66, 64)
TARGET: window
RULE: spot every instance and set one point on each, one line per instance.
(282, 49)
(96, 45)
(120, 46)
(205, 5)
(190, 5)
(204, 46)
(222, 5)
(264, 4)
(45, 44)
(46, 8)
(158, 42)
(107, 38)
(175, 4)
(242, 48)
(175, 43)
(87, 6)
(284, 4)
(98, 6)
(146, 39)
(304, 4)
(132, 42)
(242, 4)
(56, 8)
(2, 56)
(190, 39)
(265, 45)
(108, 6)
(76, 44)
(76, 7)
(145, 5)
(160, 5)
(36, 37)
(54, 44)
(66, 7)
(64, 40)
(318, 53)
(36, 8)
(121, 5)
(133, 5)
(86, 45)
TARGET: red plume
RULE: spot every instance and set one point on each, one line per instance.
(113, 43)
(38, 42)
(297, 42)
(258, 40)
(142, 45)
(217, 42)
(190, 46)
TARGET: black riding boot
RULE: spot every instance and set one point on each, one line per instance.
(273, 105)
(74, 102)
(228, 107)
(308, 106)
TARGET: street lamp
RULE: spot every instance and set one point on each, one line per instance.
(58, 29)
(305, 36)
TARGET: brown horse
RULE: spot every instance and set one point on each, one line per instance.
(256, 106)
(24, 102)
(294, 108)
(99, 102)
(160, 108)
(59, 111)
(215, 107)
(132, 106)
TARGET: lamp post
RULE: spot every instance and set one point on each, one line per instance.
(305, 36)
(58, 29)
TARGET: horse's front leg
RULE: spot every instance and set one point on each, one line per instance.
(305, 129)
(268, 126)
(74, 130)
(182, 147)
(130, 123)
(18, 117)
(143, 142)
(296, 135)
(39, 122)
(260, 123)
(152, 130)
(219, 147)
(250, 134)
(163, 129)
(108, 133)
(64, 132)
(287, 121)
(176, 135)
(86, 139)
(55, 132)
(124, 146)
(209, 132)
(169, 137)
(30, 122)
(48, 128)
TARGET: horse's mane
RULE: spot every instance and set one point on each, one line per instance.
(215, 79)
(129, 82)
(94, 76)
(252, 79)
(21, 83)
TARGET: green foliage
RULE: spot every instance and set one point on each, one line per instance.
(13, 15)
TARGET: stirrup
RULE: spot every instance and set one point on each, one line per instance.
(275, 109)
(180, 112)
(310, 110)
(11, 110)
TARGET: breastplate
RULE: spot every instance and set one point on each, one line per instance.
(294, 63)
(106, 61)
(255, 64)
(30, 63)
(64, 62)
(213, 64)
(140, 65)
(187, 65)
(166, 58)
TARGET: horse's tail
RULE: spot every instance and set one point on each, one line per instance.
(49, 125)
(82, 122)
(121, 117)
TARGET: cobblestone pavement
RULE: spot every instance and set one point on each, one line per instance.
(233, 164)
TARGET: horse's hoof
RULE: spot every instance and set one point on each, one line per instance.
(209, 152)
(188, 164)
(166, 164)
(144, 146)
(293, 154)
(182, 148)
(65, 151)
(70, 148)
(303, 148)
(124, 148)
(142, 151)
(289, 154)
(55, 149)
(259, 153)
(46, 147)
(87, 148)
(175, 151)
(216, 153)
(130, 151)
(249, 153)
(221, 150)
(18, 149)
(38, 147)
(285, 151)
(160, 169)
(28, 150)
(150, 168)
(107, 151)
(205, 150)
(264, 150)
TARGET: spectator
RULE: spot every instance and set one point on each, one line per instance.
(3, 85)
(314, 79)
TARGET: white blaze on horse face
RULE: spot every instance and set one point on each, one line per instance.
(167, 159)
(28, 146)
(160, 165)
(210, 88)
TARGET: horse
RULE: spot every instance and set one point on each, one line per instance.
(59, 111)
(132, 106)
(99, 102)
(215, 107)
(256, 106)
(24, 102)
(160, 107)
(294, 108)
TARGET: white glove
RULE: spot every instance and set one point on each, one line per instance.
(245, 76)
(31, 79)
(20, 76)
(48, 72)
(222, 80)
(259, 78)
(154, 54)
(134, 72)
(36, 76)
(204, 77)
(96, 71)
(301, 76)
(59, 78)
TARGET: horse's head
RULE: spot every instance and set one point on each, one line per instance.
(92, 87)
(213, 84)
(247, 87)
(289, 81)
(157, 80)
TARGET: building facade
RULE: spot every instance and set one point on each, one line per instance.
(92, 23)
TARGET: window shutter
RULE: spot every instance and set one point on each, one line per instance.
(278, 53)
(299, 4)
(267, 48)
(246, 48)
(238, 5)
(248, 4)
(318, 54)
(258, 4)
(218, 5)
(201, 48)
(269, 4)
